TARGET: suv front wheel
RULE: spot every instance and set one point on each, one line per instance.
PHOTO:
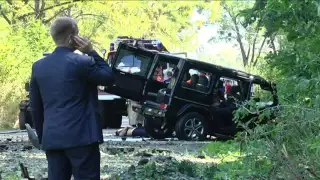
(191, 126)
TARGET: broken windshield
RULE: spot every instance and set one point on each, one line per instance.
(128, 61)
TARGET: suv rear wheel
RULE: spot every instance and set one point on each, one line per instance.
(191, 126)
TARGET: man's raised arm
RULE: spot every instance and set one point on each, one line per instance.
(98, 70)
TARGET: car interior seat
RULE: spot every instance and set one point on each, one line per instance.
(203, 80)
(194, 81)
(202, 84)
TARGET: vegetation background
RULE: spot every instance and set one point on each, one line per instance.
(277, 39)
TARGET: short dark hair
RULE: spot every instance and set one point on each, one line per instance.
(61, 28)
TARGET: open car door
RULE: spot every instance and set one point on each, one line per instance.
(131, 66)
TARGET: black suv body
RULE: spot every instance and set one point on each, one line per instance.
(186, 105)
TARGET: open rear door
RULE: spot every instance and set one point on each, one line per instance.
(131, 67)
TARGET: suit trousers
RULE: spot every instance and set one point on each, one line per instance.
(82, 162)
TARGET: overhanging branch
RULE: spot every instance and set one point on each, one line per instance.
(5, 16)
(55, 15)
(48, 8)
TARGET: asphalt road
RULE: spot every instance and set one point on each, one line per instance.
(17, 135)
(118, 155)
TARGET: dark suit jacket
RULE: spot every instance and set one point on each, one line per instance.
(64, 98)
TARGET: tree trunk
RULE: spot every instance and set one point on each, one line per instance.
(262, 44)
(36, 8)
(243, 52)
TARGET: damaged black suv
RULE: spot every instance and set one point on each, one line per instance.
(200, 101)
(196, 99)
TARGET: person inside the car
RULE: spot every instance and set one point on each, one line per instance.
(223, 109)
(228, 86)
(187, 77)
(169, 75)
(219, 97)
(158, 74)
(234, 95)
(193, 81)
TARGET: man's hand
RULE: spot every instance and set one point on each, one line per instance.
(83, 45)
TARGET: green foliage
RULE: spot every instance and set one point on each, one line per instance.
(19, 47)
(187, 167)
(239, 160)
(288, 148)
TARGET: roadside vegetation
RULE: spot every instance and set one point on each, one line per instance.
(277, 39)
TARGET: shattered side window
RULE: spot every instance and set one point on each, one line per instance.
(262, 96)
(132, 63)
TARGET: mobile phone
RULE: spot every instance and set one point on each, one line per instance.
(72, 41)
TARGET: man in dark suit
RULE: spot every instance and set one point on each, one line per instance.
(64, 102)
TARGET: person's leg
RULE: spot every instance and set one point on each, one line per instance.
(85, 162)
(59, 166)
(139, 132)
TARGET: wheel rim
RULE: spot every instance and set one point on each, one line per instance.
(194, 128)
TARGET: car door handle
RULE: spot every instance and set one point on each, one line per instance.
(122, 73)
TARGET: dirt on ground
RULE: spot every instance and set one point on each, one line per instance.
(120, 159)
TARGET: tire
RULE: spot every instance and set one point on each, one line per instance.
(154, 130)
(191, 124)
(22, 120)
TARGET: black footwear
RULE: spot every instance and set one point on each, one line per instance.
(33, 138)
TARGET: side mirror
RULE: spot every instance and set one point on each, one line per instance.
(27, 86)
